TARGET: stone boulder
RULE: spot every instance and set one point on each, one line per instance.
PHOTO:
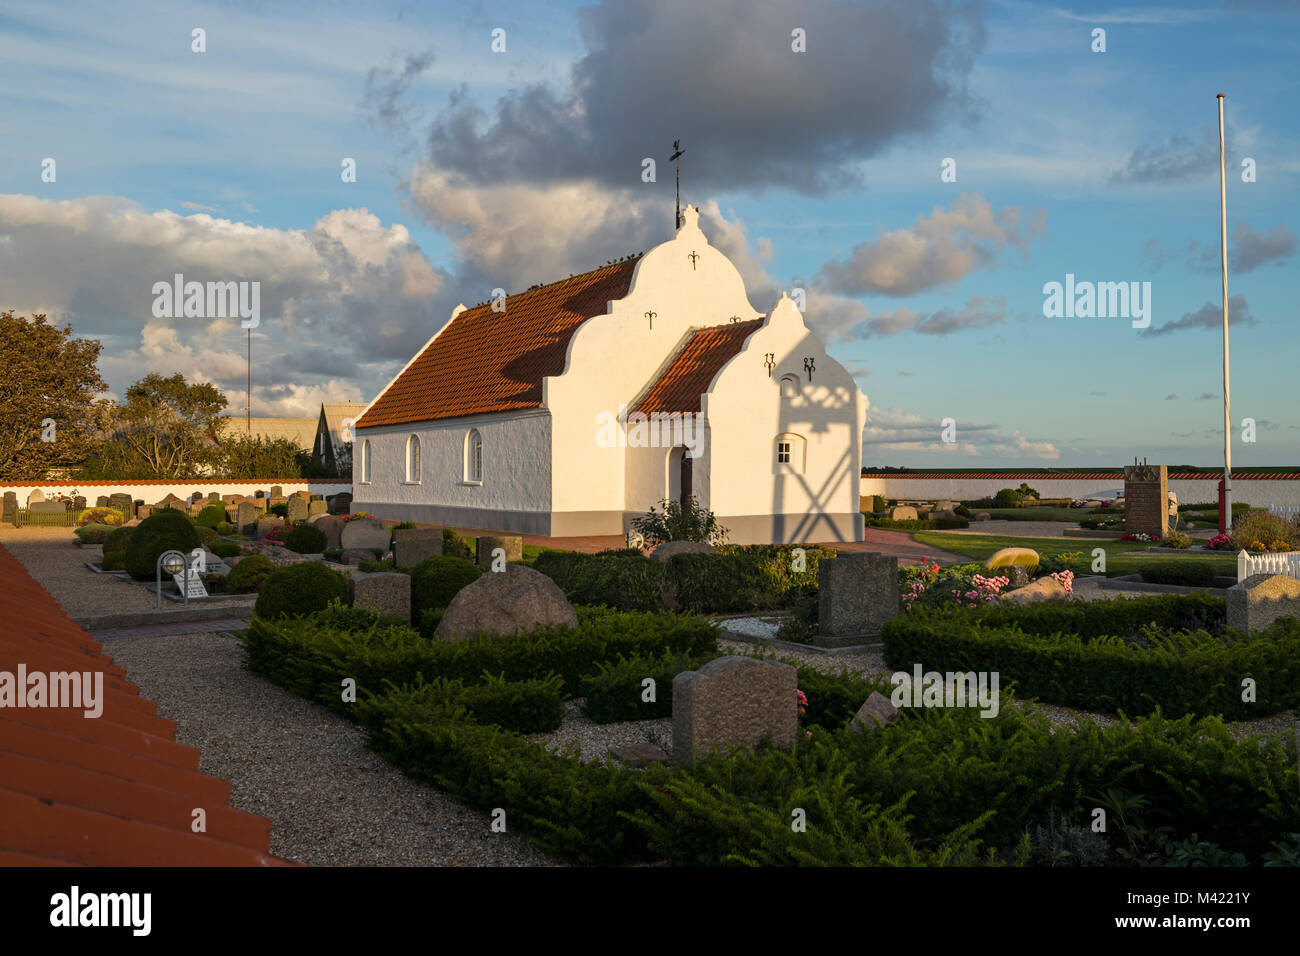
(1046, 588)
(365, 533)
(943, 514)
(876, 713)
(1261, 599)
(355, 556)
(669, 548)
(903, 513)
(983, 516)
(386, 592)
(505, 602)
(332, 525)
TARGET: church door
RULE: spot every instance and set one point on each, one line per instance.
(685, 482)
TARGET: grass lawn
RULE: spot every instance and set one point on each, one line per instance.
(1035, 514)
(1118, 561)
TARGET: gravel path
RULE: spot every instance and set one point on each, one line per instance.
(331, 801)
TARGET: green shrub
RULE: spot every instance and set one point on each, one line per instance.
(225, 528)
(693, 522)
(212, 516)
(1007, 498)
(280, 511)
(1189, 572)
(249, 574)
(877, 503)
(961, 511)
(454, 546)
(1263, 531)
(333, 554)
(116, 539)
(165, 530)
(917, 524)
(299, 589)
(436, 580)
(1176, 539)
(749, 578)
(207, 536)
(113, 561)
(614, 691)
(1134, 668)
(93, 533)
(103, 516)
(225, 549)
(305, 539)
(626, 582)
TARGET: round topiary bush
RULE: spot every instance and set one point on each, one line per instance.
(249, 574)
(108, 516)
(225, 528)
(299, 589)
(305, 539)
(165, 530)
(93, 533)
(207, 536)
(225, 549)
(211, 516)
(116, 539)
(112, 561)
(435, 581)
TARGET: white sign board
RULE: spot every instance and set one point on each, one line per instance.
(191, 585)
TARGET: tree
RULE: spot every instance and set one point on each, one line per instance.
(163, 429)
(47, 396)
(257, 457)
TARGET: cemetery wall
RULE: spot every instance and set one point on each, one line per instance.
(1260, 492)
(152, 491)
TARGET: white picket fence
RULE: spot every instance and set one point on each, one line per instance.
(1289, 512)
(1279, 562)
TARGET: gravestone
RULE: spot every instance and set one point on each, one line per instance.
(857, 595)
(387, 592)
(512, 544)
(507, 602)
(10, 507)
(258, 503)
(1261, 599)
(196, 496)
(231, 499)
(265, 525)
(46, 507)
(79, 502)
(340, 504)
(733, 702)
(297, 510)
(143, 510)
(246, 516)
(34, 497)
(317, 507)
(171, 501)
(102, 501)
(355, 556)
(332, 525)
(213, 496)
(274, 500)
(903, 513)
(122, 503)
(946, 505)
(365, 533)
(413, 545)
(277, 491)
(304, 495)
(876, 713)
(1146, 499)
(136, 505)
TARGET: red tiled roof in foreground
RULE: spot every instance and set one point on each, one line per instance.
(1114, 474)
(486, 361)
(679, 387)
(113, 790)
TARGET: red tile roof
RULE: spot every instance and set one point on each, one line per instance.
(113, 790)
(679, 387)
(485, 361)
(1108, 474)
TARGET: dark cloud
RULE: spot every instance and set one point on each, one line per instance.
(721, 77)
(1208, 316)
(1176, 158)
(978, 311)
(1249, 250)
(386, 87)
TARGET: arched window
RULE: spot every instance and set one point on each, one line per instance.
(474, 457)
(365, 461)
(413, 459)
(789, 453)
(789, 386)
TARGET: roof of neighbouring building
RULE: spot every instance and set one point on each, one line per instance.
(1088, 475)
(486, 361)
(300, 431)
(688, 374)
(112, 790)
(334, 414)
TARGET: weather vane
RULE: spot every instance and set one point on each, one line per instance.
(675, 159)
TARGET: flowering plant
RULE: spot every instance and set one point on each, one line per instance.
(354, 517)
(963, 586)
(1067, 580)
(802, 700)
(1220, 542)
(1139, 536)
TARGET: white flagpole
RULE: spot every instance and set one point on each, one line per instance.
(1223, 257)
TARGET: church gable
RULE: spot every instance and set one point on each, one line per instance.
(492, 361)
(690, 372)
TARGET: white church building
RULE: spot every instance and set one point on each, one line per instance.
(573, 407)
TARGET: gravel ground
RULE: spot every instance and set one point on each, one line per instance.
(331, 801)
(595, 740)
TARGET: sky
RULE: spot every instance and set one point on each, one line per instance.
(922, 169)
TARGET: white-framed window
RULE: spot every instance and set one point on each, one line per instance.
(413, 459)
(789, 455)
(474, 457)
(365, 461)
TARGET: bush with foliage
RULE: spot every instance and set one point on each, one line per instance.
(627, 582)
(1263, 531)
(249, 574)
(1007, 498)
(212, 516)
(614, 691)
(1176, 539)
(917, 524)
(1188, 573)
(675, 523)
(225, 549)
(454, 546)
(279, 511)
(306, 539)
(436, 580)
(225, 528)
(164, 530)
(956, 586)
(93, 533)
(116, 539)
(113, 561)
(207, 536)
(299, 589)
(103, 516)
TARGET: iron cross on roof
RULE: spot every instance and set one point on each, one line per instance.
(675, 159)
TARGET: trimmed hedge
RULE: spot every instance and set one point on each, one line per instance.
(164, 530)
(306, 539)
(249, 574)
(311, 654)
(436, 580)
(524, 707)
(116, 539)
(299, 589)
(916, 524)
(628, 582)
(1189, 572)
(225, 549)
(1136, 663)
(614, 691)
(94, 533)
(210, 516)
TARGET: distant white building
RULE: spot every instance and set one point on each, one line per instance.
(574, 407)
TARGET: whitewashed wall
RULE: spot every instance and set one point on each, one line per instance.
(151, 492)
(1258, 492)
(515, 493)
